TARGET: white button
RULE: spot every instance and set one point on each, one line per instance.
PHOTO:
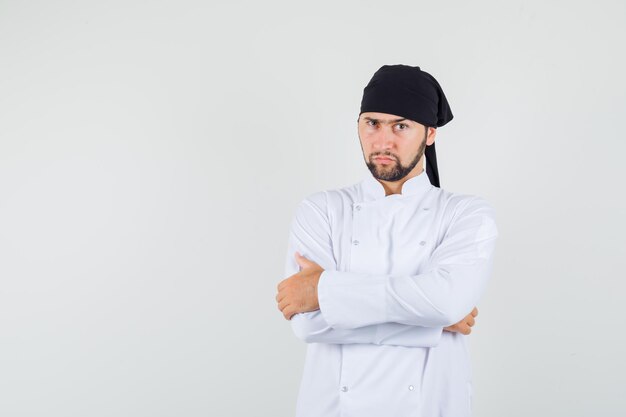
(357, 207)
(355, 242)
(422, 242)
(425, 208)
(344, 388)
(411, 387)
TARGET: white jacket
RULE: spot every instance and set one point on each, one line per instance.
(398, 269)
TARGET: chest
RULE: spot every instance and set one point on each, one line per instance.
(386, 236)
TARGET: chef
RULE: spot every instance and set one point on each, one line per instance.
(383, 276)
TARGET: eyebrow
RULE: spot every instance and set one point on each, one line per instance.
(386, 122)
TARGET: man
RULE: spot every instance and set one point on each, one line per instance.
(384, 275)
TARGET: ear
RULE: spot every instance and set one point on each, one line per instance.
(430, 138)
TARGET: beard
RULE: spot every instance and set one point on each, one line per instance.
(394, 171)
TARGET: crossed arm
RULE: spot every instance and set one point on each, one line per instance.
(386, 309)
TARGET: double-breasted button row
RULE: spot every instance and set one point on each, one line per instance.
(355, 242)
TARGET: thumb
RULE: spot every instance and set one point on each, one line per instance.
(302, 261)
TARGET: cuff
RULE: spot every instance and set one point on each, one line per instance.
(323, 299)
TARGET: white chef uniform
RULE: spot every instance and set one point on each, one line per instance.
(398, 269)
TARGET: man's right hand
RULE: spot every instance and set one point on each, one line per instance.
(465, 325)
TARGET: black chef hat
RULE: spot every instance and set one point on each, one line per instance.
(409, 92)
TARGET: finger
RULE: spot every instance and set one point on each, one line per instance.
(288, 313)
(466, 330)
(471, 321)
(474, 312)
(282, 305)
(298, 258)
(302, 261)
(454, 328)
(282, 284)
(280, 296)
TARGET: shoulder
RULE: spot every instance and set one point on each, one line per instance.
(469, 210)
(313, 204)
(467, 204)
(463, 204)
(330, 200)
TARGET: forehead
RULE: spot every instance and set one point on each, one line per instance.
(385, 118)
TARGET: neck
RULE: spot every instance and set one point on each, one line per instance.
(395, 187)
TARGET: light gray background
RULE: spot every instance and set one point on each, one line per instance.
(152, 154)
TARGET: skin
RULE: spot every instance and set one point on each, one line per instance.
(401, 140)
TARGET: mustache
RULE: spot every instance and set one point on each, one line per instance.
(383, 155)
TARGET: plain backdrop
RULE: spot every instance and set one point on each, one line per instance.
(152, 154)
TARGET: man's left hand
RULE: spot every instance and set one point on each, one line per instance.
(298, 293)
(465, 325)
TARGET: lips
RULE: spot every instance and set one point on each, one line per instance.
(383, 159)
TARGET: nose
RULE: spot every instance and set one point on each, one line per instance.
(383, 140)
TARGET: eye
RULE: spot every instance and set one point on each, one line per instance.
(402, 124)
(368, 121)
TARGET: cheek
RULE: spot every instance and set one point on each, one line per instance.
(412, 144)
(407, 152)
(366, 144)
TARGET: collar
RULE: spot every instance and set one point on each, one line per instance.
(372, 189)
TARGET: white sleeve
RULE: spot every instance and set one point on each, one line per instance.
(310, 235)
(454, 280)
